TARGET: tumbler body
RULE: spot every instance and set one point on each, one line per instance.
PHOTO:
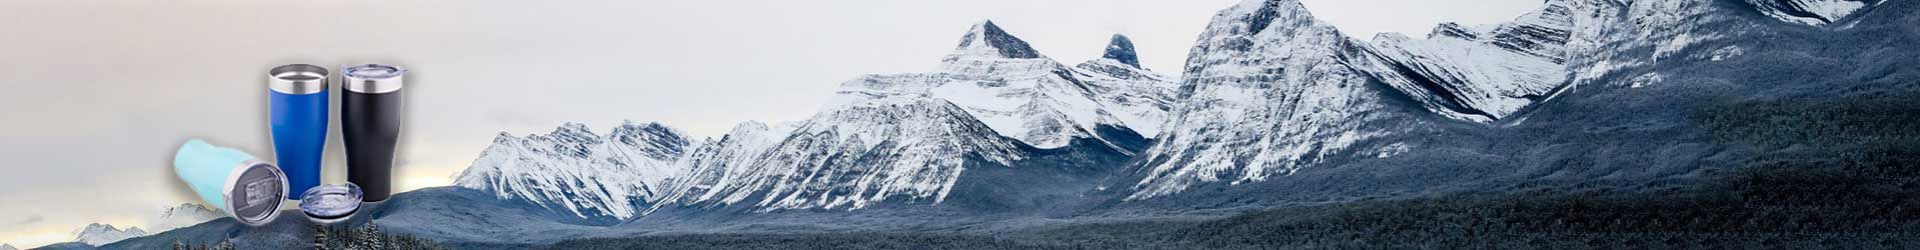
(299, 137)
(298, 117)
(370, 120)
(245, 188)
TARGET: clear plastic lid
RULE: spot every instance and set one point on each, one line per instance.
(331, 203)
(374, 71)
(374, 78)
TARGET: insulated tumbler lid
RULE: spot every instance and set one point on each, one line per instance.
(297, 79)
(255, 192)
(374, 78)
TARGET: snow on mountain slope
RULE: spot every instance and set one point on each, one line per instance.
(1572, 43)
(1024, 95)
(7, 247)
(574, 170)
(183, 215)
(1612, 38)
(909, 137)
(1268, 90)
(101, 234)
(719, 163)
(1137, 97)
(904, 137)
(868, 149)
(1479, 75)
(1811, 12)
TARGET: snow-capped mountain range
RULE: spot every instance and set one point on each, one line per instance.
(1023, 95)
(1274, 108)
(1275, 89)
(1478, 74)
(585, 174)
(893, 137)
(1267, 91)
(183, 215)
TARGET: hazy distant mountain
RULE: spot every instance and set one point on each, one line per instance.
(101, 234)
(184, 215)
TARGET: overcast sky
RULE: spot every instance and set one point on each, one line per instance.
(98, 94)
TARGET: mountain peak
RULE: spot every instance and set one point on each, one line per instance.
(987, 39)
(1121, 49)
(185, 208)
(573, 127)
(184, 215)
(98, 226)
(1256, 15)
(574, 133)
(629, 128)
(101, 234)
(670, 142)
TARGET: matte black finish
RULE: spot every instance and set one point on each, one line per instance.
(371, 123)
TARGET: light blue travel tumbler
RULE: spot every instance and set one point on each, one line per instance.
(246, 188)
(298, 113)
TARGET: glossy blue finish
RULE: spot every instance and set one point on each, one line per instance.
(299, 137)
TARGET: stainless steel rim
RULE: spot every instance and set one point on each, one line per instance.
(298, 79)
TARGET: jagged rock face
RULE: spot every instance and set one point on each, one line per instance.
(893, 148)
(1542, 33)
(1260, 98)
(1478, 75)
(1033, 99)
(1267, 91)
(721, 162)
(909, 137)
(1603, 29)
(1811, 12)
(1140, 99)
(1618, 39)
(1121, 49)
(885, 138)
(576, 171)
(1137, 97)
(987, 39)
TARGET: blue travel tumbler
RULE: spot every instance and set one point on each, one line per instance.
(244, 187)
(298, 113)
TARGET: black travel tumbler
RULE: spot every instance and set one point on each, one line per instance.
(370, 120)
